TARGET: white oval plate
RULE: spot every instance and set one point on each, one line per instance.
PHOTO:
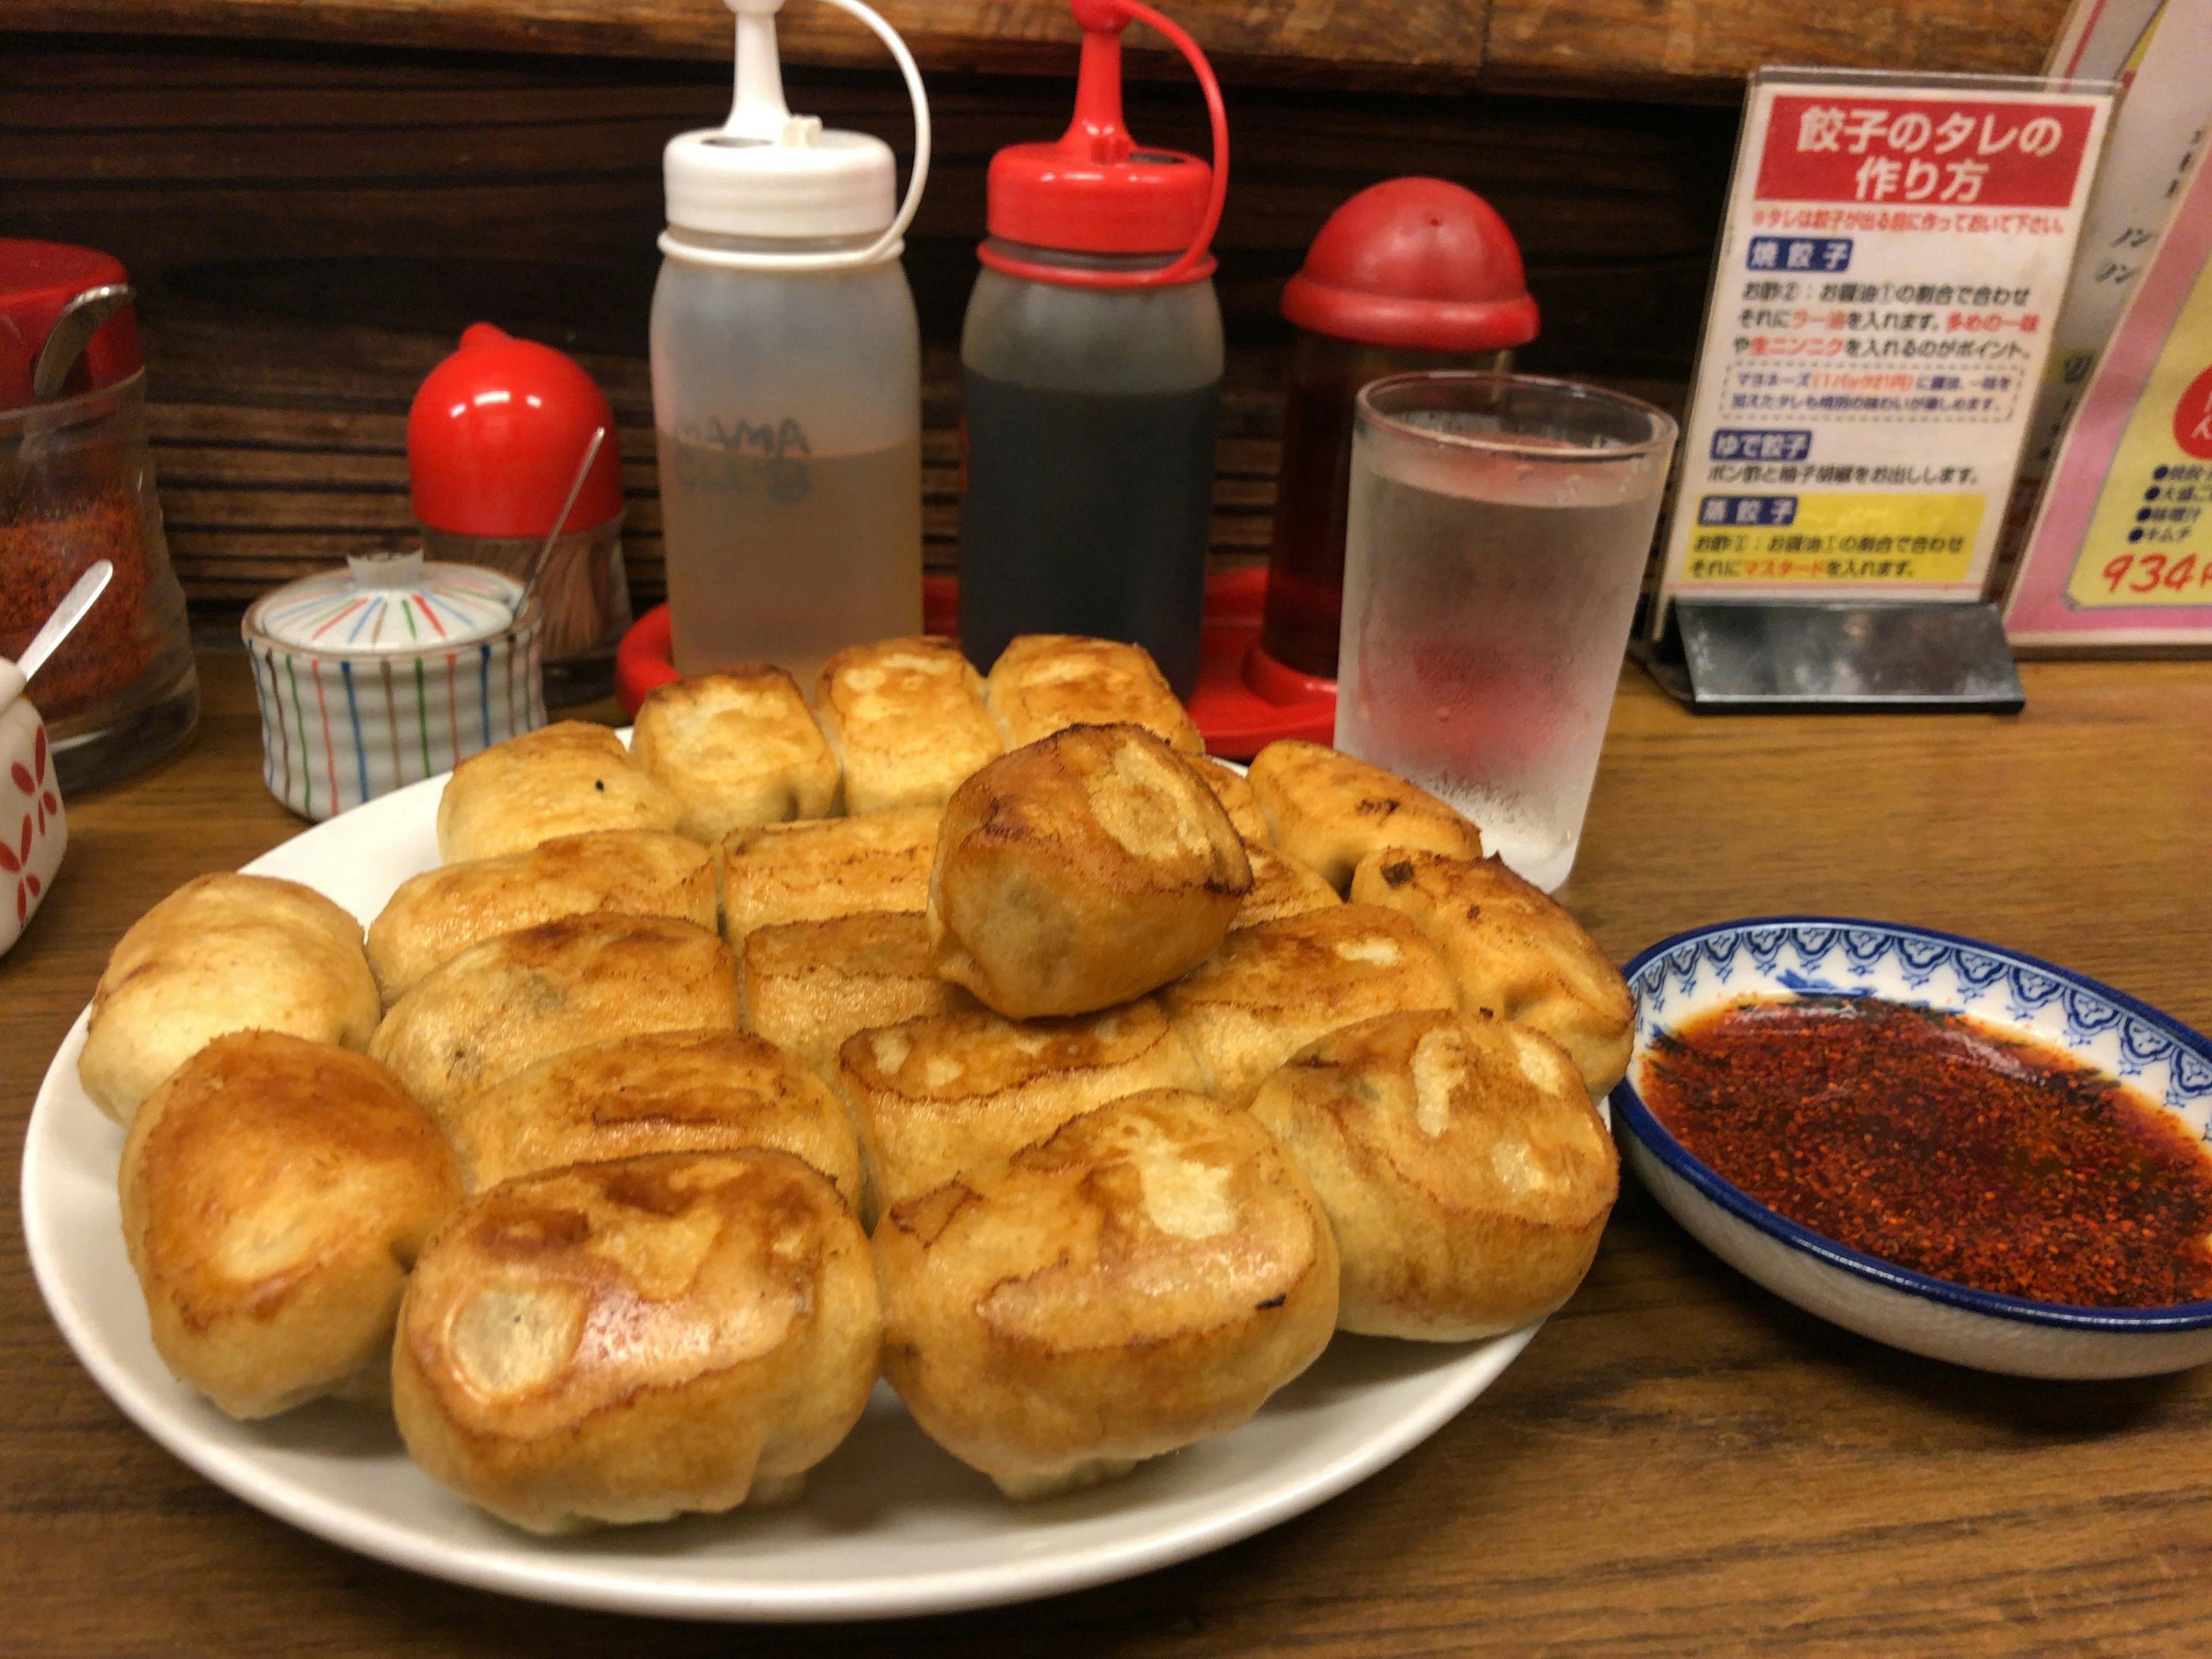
(890, 1524)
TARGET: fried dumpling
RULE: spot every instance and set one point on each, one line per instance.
(937, 1096)
(627, 1341)
(658, 1092)
(560, 779)
(1145, 1278)
(1081, 871)
(1043, 682)
(511, 1001)
(1329, 810)
(737, 747)
(434, 916)
(1281, 886)
(1234, 791)
(1465, 1174)
(808, 986)
(1275, 986)
(275, 1192)
(1513, 951)
(907, 720)
(222, 953)
(837, 867)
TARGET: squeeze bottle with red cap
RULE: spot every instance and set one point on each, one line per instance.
(786, 376)
(1410, 274)
(1091, 370)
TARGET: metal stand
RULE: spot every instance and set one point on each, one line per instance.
(1831, 656)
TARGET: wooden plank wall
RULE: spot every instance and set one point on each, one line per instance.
(312, 226)
(1666, 49)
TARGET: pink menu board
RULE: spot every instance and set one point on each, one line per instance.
(2120, 555)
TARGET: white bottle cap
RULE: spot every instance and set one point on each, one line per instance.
(767, 175)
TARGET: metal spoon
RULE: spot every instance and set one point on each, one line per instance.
(561, 520)
(67, 615)
(73, 329)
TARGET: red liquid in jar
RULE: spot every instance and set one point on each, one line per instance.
(1305, 557)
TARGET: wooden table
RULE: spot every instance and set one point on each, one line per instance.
(1680, 1463)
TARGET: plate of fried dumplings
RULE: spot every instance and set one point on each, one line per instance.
(936, 1143)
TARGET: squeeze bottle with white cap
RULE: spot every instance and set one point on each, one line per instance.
(786, 376)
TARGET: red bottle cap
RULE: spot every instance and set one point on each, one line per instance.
(37, 279)
(1093, 190)
(494, 435)
(1422, 264)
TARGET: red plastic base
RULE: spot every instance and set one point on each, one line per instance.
(1245, 699)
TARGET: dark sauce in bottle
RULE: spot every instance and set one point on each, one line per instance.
(1086, 513)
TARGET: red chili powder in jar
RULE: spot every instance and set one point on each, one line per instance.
(1945, 1145)
(43, 550)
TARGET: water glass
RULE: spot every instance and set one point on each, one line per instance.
(1497, 537)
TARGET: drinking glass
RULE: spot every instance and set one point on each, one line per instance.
(1498, 529)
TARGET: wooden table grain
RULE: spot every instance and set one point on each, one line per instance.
(1680, 1464)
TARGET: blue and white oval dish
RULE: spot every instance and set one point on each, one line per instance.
(2164, 1061)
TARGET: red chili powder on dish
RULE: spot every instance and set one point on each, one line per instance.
(1945, 1145)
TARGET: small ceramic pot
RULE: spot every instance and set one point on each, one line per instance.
(34, 834)
(387, 672)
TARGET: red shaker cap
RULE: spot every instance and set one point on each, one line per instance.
(1095, 190)
(1421, 264)
(494, 435)
(37, 279)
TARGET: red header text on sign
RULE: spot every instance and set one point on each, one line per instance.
(1895, 248)
(1973, 152)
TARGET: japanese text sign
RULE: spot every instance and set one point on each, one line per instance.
(2121, 551)
(1895, 250)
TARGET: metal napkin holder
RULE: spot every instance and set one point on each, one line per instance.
(1827, 656)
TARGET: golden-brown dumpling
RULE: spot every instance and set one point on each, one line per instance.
(737, 747)
(434, 916)
(1281, 886)
(1275, 986)
(222, 953)
(836, 867)
(1081, 871)
(807, 986)
(560, 779)
(1145, 1278)
(1513, 951)
(1330, 811)
(934, 1097)
(511, 1001)
(658, 1092)
(1234, 791)
(1464, 1170)
(1043, 682)
(907, 720)
(275, 1192)
(627, 1341)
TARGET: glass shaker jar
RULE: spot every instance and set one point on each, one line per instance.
(1411, 274)
(494, 439)
(76, 485)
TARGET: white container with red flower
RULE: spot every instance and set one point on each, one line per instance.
(32, 832)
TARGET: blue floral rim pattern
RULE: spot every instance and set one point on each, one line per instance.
(2164, 1059)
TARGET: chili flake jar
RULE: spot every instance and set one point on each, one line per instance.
(1410, 274)
(387, 672)
(494, 437)
(76, 485)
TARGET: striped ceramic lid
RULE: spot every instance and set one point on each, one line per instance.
(385, 603)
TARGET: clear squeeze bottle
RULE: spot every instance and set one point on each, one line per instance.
(1090, 374)
(786, 376)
